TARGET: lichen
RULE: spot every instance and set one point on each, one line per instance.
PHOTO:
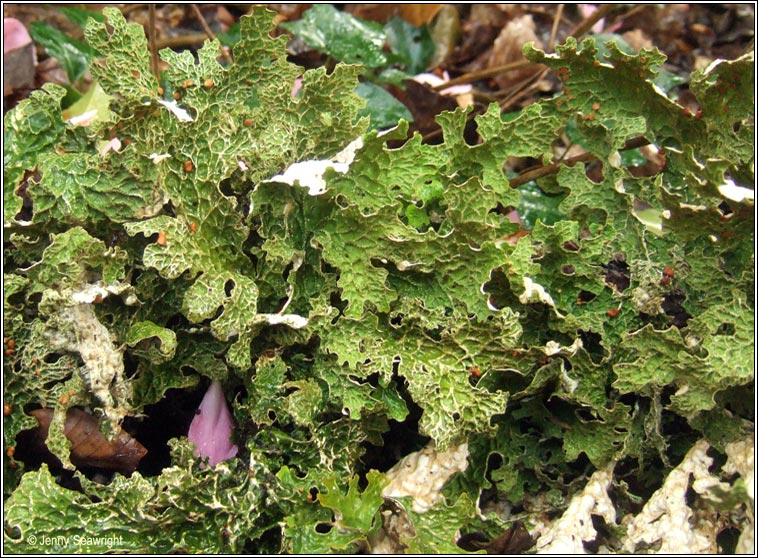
(103, 371)
(422, 474)
(667, 521)
(568, 534)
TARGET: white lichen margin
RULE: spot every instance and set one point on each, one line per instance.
(534, 292)
(568, 534)
(666, 524)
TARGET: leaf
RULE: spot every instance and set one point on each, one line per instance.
(74, 56)
(32, 129)
(617, 118)
(435, 371)
(89, 447)
(80, 16)
(94, 99)
(132, 515)
(536, 204)
(413, 45)
(141, 331)
(382, 108)
(666, 359)
(725, 95)
(72, 189)
(73, 254)
(349, 286)
(218, 269)
(231, 36)
(341, 35)
(601, 439)
(128, 45)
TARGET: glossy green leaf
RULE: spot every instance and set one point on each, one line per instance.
(382, 108)
(73, 55)
(80, 16)
(413, 45)
(341, 36)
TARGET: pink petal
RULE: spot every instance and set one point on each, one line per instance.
(297, 85)
(211, 428)
(434, 80)
(513, 217)
(15, 34)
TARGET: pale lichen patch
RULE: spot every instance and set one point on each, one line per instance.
(667, 520)
(422, 474)
(419, 475)
(103, 361)
(568, 534)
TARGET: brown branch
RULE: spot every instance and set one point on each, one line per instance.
(577, 32)
(554, 30)
(483, 74)
(553, 168)
(126, 9)
(180, 41)
(209, 32)
(524, 88)
(596, 16)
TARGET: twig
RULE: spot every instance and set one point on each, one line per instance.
(129, 8)
(483, 74)
(577, 31)
(635, 10)
(554, 30)
(553, 168)
(180, 41)
(152, 41)
(209, 31)
(523, 89)
(596, 16)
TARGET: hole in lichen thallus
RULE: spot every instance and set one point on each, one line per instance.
(168, 418)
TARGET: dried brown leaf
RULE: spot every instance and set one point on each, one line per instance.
(507, 49)
(89, 447)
